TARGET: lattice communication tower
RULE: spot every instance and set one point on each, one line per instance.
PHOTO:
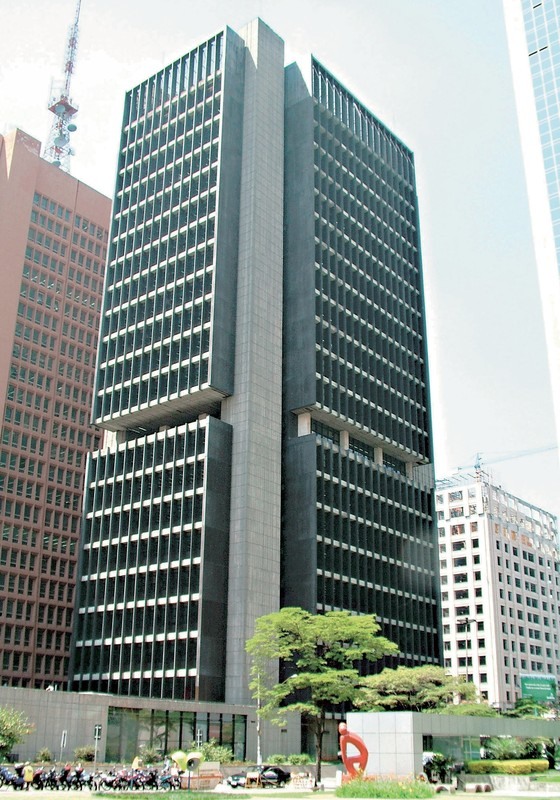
(57, 149)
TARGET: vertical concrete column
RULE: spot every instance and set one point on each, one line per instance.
(254, 410)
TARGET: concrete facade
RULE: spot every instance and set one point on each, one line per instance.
(358, 526)
(500, 586)
(255, 408)
(263, 322)
(396, 740)
(53, 238)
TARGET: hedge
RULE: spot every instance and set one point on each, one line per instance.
(491, 766)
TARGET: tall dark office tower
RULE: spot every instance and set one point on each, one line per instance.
(357, 530)
(183, 508)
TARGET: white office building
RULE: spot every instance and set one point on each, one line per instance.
(500, 588)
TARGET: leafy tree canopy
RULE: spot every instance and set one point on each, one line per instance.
(413, 689)
(14, 727)
(323, 654)
(470, 710)
(527, 707)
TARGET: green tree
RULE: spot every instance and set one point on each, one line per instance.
(527, 707)
(413, 689)
(321, 654)
(14, 727)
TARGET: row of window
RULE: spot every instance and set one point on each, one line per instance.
(17, 584)
(59, 543)
(185, 74)
(172, 152)
(36, 316)
(35, 335)
(16, 635)
(53, 640)
(16, 510)
(68, 523)
(16, 609)
(18, 535)
(15, 661)
(20, 487)
(31, 422)
(52, 207)
(358, 121)
(54, 615)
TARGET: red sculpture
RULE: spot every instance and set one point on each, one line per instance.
(355, 764)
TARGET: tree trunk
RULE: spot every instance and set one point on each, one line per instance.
(319, 731)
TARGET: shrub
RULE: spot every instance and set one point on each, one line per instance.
(149, 755)
(293, 759)
(299, 759)
(504, 747)
(408, 788)
(86, 753)
(437, 767)
(490, 766)
(277, 758)
(212, 751)
(44, 754)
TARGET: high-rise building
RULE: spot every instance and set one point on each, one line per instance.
(262, 378)
(357, 503)
(53, 237)
(500, 586)
(532, 30)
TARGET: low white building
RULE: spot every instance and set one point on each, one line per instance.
(500, 587)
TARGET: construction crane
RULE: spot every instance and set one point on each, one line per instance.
(57, 149)
(479, 461)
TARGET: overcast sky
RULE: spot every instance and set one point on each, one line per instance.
(437, 73)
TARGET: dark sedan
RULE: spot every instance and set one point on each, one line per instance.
(263, 775)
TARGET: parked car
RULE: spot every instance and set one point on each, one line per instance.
(267, 775)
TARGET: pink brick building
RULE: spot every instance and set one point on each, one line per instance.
(53, 243)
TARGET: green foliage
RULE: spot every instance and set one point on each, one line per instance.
(413, 689)
(526, 707)
(539, 747)
(490, 766)
(293, 759)
(299, 759)
(276, 759)
(44, 754)
(437, 767)
(212, 751)
(469, 710)
(150, 755)
(14, 727)
(386, 788)
(508, 747)
(324, 652)
(85, 753)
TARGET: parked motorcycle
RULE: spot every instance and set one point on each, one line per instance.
(50, 779)
(167, 782)
(38, 781)
(7, 778)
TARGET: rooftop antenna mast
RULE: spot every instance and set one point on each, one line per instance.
(58, 150)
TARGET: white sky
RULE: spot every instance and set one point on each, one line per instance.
(437, 73)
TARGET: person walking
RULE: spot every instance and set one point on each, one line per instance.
(28, 774)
